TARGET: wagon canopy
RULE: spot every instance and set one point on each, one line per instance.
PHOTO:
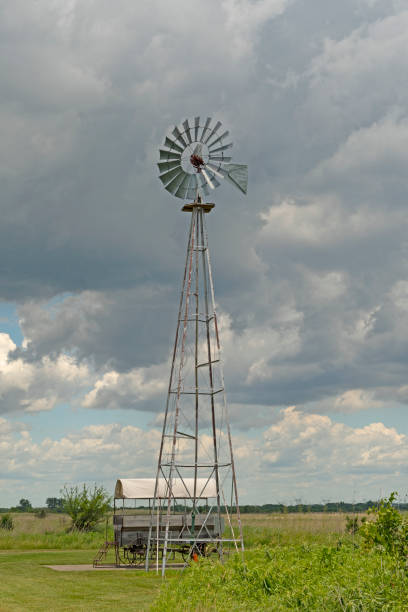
(143, 488)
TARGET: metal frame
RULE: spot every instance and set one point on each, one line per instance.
(185, 425)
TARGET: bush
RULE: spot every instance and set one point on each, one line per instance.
(40, 513)
(6, 522)
(389, 531)
(85, 506)
(352, 525)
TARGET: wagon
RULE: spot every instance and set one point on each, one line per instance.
(140, 532)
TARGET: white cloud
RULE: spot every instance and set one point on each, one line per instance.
(355, 77)
(33, 387)
(323, 222)
(298, 448)
(244, 18)
(311, 442)
(97, 453)
(128, 390)
(380, 147)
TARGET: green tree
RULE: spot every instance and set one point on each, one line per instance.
(25, 505)
(55, 504)
(85, 506)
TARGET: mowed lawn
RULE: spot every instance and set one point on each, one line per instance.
(25, 584)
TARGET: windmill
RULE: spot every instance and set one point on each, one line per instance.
(196, 463)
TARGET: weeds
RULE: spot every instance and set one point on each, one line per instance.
(7, 522)
(291, 578)
(286, 569)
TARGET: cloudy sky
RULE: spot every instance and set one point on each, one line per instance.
(311, 268)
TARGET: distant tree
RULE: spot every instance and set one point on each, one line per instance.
(25, 505)
(85, 506)
(55, 504)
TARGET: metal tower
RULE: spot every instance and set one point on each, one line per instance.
(195, 472)
(196, 439)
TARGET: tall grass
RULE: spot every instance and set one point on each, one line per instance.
(286, 567)
(51, 532)
(302, 576)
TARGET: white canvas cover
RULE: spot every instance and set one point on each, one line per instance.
(143, 488)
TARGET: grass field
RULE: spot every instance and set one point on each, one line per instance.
(27, 585)
(301, 561)
(301, 522)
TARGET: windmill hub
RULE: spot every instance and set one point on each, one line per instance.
(197, 161)
(195, 157)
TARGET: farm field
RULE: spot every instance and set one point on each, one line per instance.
(301, 561)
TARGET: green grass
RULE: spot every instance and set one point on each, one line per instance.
(27, 585)
(58, 541)
(302, 576)
(292, 562)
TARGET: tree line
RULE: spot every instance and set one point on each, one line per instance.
(59, 504)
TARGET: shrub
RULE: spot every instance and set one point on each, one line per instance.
(85, 506)
(352, 525)
(389, 531)
(40, 513)
(6, 522)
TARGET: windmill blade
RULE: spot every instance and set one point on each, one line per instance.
(205, 129)
(207, 178)
(198, 149)
(175, 183)
(220, 158)
(223, 148)
(169, 155)
(204, 187)
(216, 128)
(166, 166)
(183, 186)
(217, 171)
(178, 135)
(172, 145)
(187, 130)
(237, 174)
(169, 176)
(196, 127)
(214, 142)
(192, 188)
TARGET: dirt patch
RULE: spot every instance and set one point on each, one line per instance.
(90, 568)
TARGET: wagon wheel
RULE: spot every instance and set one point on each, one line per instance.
(138, 557)
(132, 558)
